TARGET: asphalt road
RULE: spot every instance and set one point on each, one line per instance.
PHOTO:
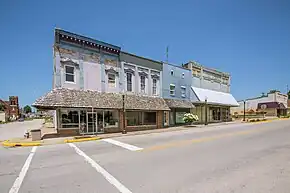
(17, 129)
(252, 158)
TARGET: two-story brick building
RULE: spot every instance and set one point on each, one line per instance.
(95, 82)
(11, 108)
(210, 93)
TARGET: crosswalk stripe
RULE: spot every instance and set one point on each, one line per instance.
(124, 145)
(101, 170)
(16, 186)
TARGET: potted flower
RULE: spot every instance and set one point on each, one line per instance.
(189, 118)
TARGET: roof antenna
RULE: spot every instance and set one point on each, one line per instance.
(167, 49)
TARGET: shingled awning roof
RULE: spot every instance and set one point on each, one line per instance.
(68, 98)
(135, 102)
(175, 103)
(79, 99)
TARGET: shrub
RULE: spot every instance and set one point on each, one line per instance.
(190, 118)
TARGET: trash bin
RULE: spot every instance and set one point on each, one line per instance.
(35, 134)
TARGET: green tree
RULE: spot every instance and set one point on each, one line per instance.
(2, 108)
(288, 94)
(273, 91)
(27, 109)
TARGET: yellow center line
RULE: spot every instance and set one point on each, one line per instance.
(198, 140)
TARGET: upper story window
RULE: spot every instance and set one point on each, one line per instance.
(111, 80)
(172, 72)
(129, 82)
(154, 87)
(172, 89)
(182, 76)
(183, 92)
(69, 74)
(142, 83)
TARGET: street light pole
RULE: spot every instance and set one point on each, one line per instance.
(244, 119)
(124, 115)
(205, 105)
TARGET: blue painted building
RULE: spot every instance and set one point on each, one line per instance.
(176, 89)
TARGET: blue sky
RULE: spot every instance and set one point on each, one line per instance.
(250, 39)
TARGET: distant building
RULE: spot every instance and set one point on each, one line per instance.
(210, 87)
(11, 108)
(273, 104)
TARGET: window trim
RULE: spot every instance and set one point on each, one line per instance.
(74, 74)
(143, 91)
(154, 87)
(115, 85)
(131, 74)
(183, 95)
(172, 94)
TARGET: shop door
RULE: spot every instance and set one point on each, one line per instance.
(91, 123)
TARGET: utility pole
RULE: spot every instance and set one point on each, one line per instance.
(244, 110)
(205, 105)
(124, 115)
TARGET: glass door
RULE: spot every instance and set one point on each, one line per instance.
(91, 122)
(100, 121)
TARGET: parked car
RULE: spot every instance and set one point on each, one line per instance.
(21, 119)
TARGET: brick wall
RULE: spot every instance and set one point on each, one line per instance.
(159, 119)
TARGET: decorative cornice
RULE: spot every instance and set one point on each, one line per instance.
(111, 70)
(155, 76)
(142, 73)
(69, 62)
(61, 35)
(129, 70)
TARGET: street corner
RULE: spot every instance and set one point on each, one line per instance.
(9, 143)
(82, 139)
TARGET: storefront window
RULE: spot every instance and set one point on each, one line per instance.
(140, 118)
(111, 118)
(215, 113)
(69, 119)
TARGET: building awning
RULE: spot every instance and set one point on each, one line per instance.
(214, 97)
(138, 102)
(69, 98)
(175, 103)
(274, 105)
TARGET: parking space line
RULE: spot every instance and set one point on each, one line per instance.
(16, 186)
(101, 170)
(124, 145)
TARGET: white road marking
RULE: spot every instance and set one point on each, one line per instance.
(124, 145)
(101, 170)
(16, 186)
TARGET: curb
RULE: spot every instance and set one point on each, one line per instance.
(82, 139)
(29, 144)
